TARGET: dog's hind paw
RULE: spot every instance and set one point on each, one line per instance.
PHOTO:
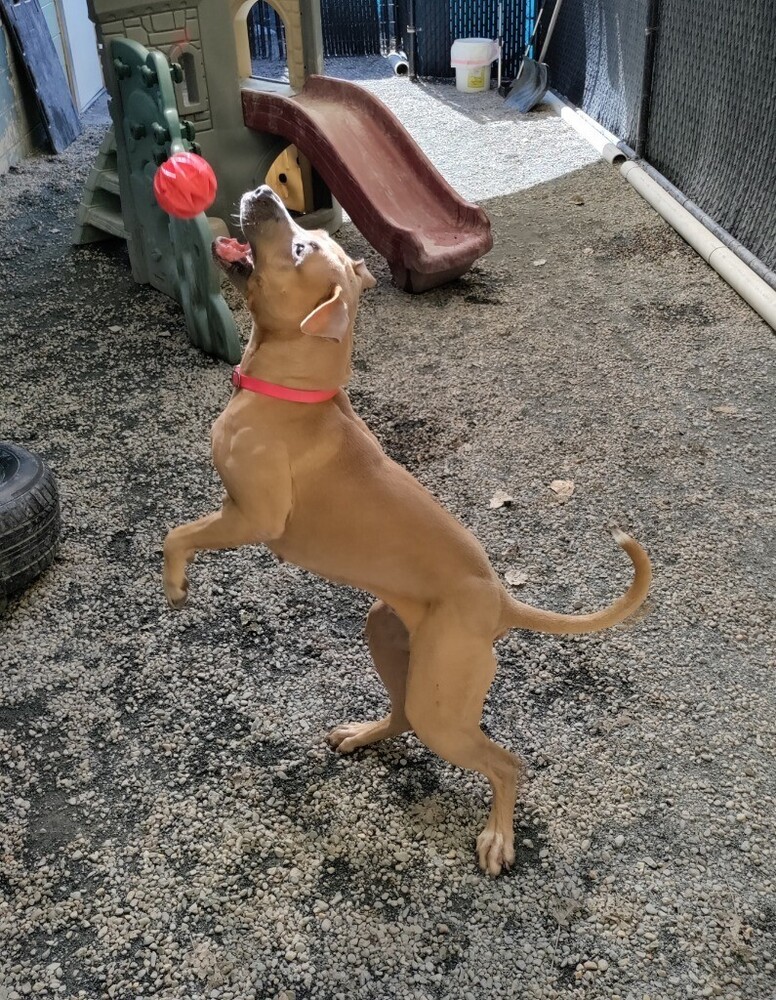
(495, 851)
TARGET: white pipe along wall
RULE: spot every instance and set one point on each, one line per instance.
(750, 286)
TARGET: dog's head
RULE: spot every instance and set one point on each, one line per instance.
(294, 280)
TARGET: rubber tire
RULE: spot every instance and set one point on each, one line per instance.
(29, 518)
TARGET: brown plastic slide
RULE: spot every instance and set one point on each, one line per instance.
(380, 176)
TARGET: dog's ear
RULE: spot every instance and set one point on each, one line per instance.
(330, 319)
(368, 280)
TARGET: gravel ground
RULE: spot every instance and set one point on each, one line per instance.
(173, 823)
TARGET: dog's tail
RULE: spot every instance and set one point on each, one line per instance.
(519, 615)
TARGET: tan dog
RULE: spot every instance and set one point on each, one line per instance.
(312, 483)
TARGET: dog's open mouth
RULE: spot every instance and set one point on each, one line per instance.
(232, 252)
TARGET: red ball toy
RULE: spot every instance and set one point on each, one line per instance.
(185, 185)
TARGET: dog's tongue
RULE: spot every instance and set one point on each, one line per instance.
(232, 251)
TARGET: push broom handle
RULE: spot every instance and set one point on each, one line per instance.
(500, 42)
(530, 43)
(553, 19)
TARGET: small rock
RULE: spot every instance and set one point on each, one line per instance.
(562, 488)
(515, 577)
(500, 499)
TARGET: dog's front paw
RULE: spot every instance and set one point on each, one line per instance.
(174, 578)
(345, 738)
(353, 735)
(495, 851)
(176, 595)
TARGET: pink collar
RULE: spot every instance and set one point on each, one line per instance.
(240, 381)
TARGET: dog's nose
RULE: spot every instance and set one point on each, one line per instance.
(262, 195)
(260, 204)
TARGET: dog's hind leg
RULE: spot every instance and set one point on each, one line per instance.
(390, 648)
(450, 674)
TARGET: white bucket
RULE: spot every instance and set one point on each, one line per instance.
(471, 59)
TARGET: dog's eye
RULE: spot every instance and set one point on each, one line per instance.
(299, 250)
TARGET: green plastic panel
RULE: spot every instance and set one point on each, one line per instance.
(171, 254)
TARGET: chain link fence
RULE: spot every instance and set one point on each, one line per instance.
(374, 27)
(267, 40)
(439, 22)
(350, 28)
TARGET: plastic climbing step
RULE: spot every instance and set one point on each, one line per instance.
(99, 215)
(106, 221)
(109, 181)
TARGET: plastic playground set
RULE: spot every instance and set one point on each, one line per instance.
(179, 78)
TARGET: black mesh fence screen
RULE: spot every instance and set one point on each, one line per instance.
(710, 130)
(596, 59)
(352, 28)
(712, 127)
